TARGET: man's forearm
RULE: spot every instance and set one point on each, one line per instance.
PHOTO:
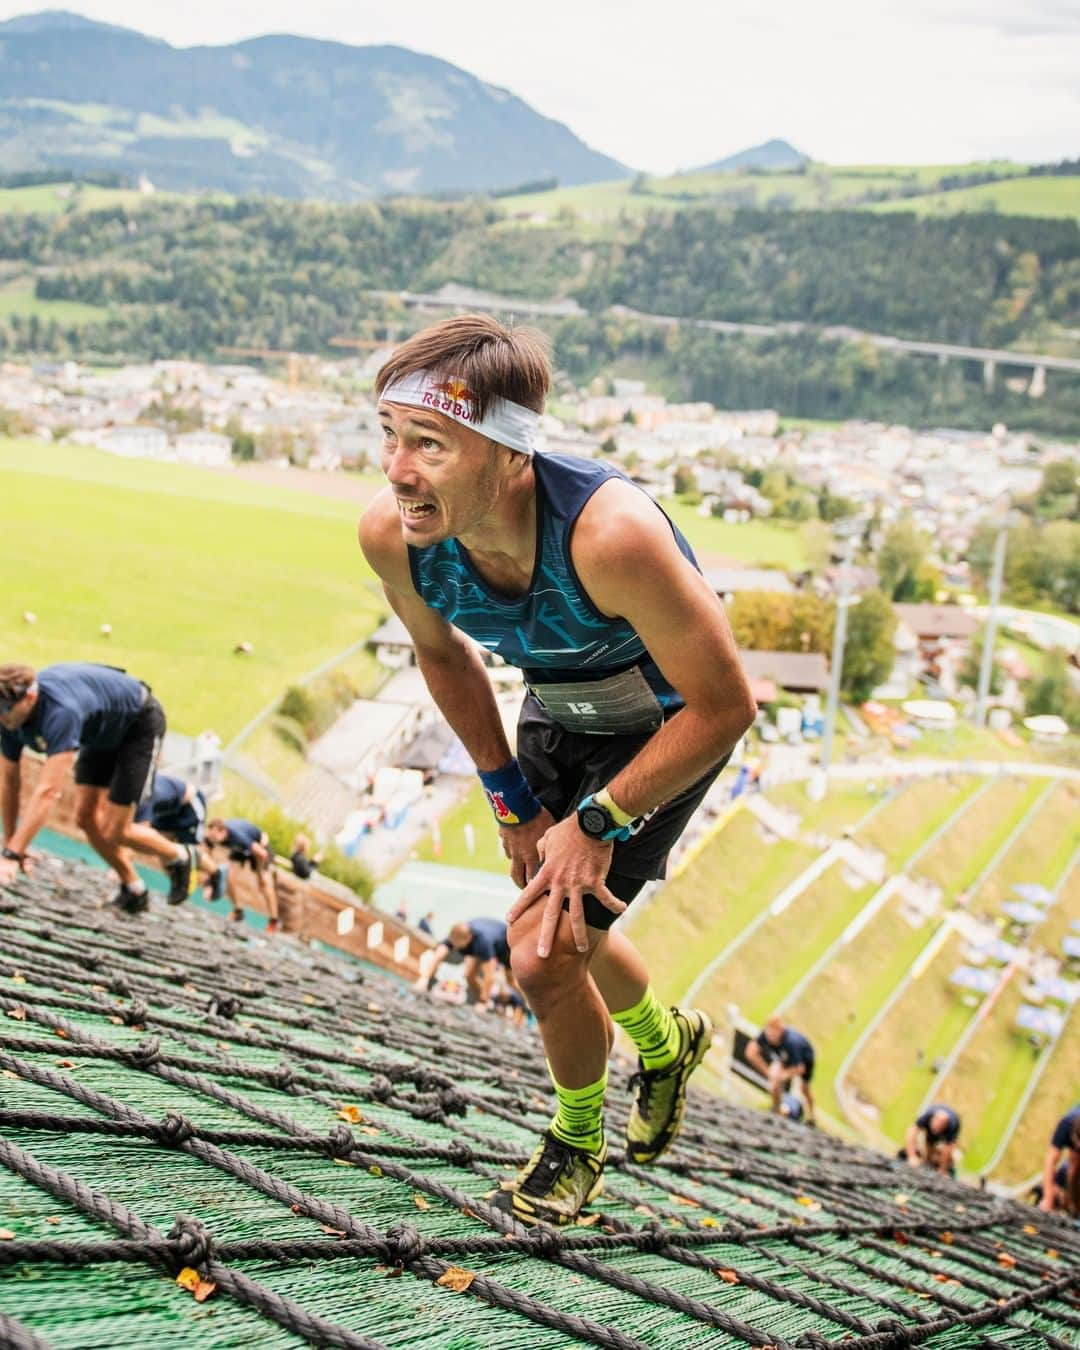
(685, 747)
(37, 812)
(9, 785)
(462, 690)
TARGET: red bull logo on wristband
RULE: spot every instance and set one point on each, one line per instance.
(503, 814)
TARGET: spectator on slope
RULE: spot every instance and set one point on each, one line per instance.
(249, 846)
(482, 943)
(425, 923)
(785, 1058)
(1064, 1150)
(109, 727)
(304, 862)
(931, 1140)
(566, 570)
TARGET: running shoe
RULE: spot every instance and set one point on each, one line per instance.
(128, 901)
(273, 926)
(182, 875)
(556, 1182)
(660, 1099)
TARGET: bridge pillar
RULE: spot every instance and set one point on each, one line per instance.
(989, 370)
(1037, 387)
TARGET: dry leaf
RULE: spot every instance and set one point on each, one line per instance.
(59, 1031)
(469, 1214)
(374, 1008)
(10, 1073)
(19, 1014)
(344, 1162)
(588, 1221)
(1004, 1259)
(52, 1219)
(1030, 1229)
(18, 979)
(6, 1234)
(644, 1209)
(375, 1171)
(65, 1064)
(420, 1202)
(333, 1232)
(728, 1276)
(709, 1222)
(194, 1283)
(941, 1279)
(369, 1129)
(1052, 1253)
(685, 1200)
(308, 999)
(947, 1238)
(456, 1278)
(900, 1198)
(352, 1114)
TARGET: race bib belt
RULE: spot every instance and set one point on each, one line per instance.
(511, 799)
(620, 705)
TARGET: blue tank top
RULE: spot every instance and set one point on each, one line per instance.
(553, 632)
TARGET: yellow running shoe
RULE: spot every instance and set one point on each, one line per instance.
(554, 1185)
(660, 1100)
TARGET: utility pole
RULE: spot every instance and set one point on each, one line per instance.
(843, 600)
(986, 665)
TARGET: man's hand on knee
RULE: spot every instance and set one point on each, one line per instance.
(571, 867)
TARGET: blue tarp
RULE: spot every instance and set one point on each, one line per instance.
(1045, 1021)
(1034, 894)
(971, 977)
(1016, 909)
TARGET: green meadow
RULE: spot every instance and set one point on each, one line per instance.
(184, 564)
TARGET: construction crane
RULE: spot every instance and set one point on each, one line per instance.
(268, 354)
(368, 344)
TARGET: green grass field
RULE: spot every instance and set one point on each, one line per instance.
(52, 199)
(487, 855)
(184, 564)
(822, 187)
(759, 542)
(19, 298)
(1049, 196)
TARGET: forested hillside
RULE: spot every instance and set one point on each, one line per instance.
(185, 277)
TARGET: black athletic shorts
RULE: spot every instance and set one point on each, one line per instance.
(562, 767)
(127, 770)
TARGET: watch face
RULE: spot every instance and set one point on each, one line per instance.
(594, 821)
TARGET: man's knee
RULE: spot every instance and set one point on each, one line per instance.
(541, 978)
(87, 817)
(113, 822)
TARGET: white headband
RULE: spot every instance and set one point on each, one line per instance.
(508, 423)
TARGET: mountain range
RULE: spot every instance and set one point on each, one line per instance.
(282, 115)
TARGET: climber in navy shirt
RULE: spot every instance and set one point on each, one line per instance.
(108, 727)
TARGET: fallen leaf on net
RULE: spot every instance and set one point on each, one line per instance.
(333, 1232)
(6, 1235)
(709, 1222)
(900, 1198)
(456, 1278)
(947, 1238)
(194, 1283)
(18, 978)
(374, 1008)
(685, 1200)
(1052, 1253)
(352, 1114)
(368, 1129)
(644, 1209)
(10, 1073)
(65, 1064)
(59, 1031)
(1004, 1259)
(588, 1221)
(375, 1170)
(1030, 1229)
(52, 1219)
(19, 1014)
(728, 1276)
(420, 1202)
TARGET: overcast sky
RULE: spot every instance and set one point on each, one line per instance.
(675, 84)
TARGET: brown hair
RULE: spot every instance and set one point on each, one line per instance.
(15, 682)
(493, 360)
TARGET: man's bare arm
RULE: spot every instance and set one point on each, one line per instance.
(50, 785)
(10, 782)
(631, 566)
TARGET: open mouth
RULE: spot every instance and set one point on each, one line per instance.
(415, 510)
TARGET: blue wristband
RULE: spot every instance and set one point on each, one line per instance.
(511, 799)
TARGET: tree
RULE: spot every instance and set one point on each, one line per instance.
(685, 480)
(1053, 693)
(868, 647)
(902, 554)
(969, 667)
(772, 622)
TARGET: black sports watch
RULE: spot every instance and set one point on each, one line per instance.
(11, 855)
(597, 821)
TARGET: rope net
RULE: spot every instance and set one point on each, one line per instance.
(206, 1142)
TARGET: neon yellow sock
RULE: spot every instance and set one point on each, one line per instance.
(579, 1121)
(653, 1030)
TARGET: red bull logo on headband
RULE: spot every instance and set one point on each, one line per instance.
(451, 396)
